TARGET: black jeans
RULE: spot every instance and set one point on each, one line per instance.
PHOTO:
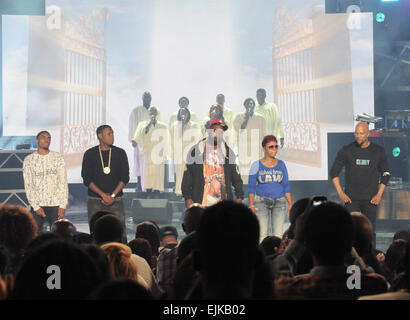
(51, 217)
(95, 205)
(368, 209)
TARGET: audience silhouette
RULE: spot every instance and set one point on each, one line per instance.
(218, 258)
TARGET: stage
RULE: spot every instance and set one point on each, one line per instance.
(69, 67)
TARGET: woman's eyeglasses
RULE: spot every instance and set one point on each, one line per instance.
(273, 146)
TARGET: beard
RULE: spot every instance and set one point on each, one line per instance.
(361, 143)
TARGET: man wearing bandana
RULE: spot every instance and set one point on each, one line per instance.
(211, 170)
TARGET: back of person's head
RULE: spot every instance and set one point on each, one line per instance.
(65, 228)
(40, 240)
(108, 228)
(184, 279)
(191, 218)
(149, 231)
(121, 264)
(227, 246)
(295, 211)
(83, 238)
(4, 260)
(363, 233)
(168, 234)
(100, 259)
(17, 228)
(58, 270)
(395, 257)
(142, 248)
(263, 287)
(398, 271)
(186, 246)
(120, 289)
(407, 266)
(407, 259)
(95, 217)
(402, 234)
(270, 245)
(328, 232)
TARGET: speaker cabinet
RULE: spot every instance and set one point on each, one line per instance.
(157, 210)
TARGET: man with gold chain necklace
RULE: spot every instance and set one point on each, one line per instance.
(105, 171)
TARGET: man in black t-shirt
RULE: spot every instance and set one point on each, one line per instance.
(105, 172)
(366, 174)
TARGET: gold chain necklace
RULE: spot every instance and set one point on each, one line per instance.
(106, 170)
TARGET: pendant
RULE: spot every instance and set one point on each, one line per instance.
(107, 170)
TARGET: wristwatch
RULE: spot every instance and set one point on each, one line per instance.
(113, 195)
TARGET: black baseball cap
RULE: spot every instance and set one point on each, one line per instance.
(168, 231)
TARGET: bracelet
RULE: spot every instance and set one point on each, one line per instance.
(251, 207)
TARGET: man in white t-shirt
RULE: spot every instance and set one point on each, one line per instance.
(45, 182)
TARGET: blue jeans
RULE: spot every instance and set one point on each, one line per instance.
(95, 205)
(271, 215)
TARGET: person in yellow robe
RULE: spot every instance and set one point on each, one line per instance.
(184, 133)
(183, 102)
(250, 128)
(218, 112)
(271, 113)
(152, 138)
(137, 115)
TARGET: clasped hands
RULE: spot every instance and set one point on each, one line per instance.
(107, 199)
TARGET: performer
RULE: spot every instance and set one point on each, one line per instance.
(250, 127)
(183, 102)
(366, 174)
(105, 172)
(269, 190)
(137, 115)
(154, 152)
(183, 134)
(45, 182)
(217, 112)
(271, 113)
(211, 171)
(228, 114)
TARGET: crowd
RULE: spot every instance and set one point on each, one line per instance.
(219, 257)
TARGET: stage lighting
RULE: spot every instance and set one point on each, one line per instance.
(365, 117)
(380, 17)
(396, 152)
